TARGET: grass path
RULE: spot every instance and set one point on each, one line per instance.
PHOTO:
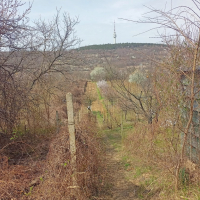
(118, 169)
(128, 176)
(121, 184)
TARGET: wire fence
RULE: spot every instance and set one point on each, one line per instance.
(193, 138)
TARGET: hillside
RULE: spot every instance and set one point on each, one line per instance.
(119, 55)
(118, 45)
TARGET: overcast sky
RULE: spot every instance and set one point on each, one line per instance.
(97, 16)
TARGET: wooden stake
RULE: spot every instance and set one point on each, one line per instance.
(122, 126)
(57, 123)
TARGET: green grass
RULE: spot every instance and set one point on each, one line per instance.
(113, 137)
(125, 162)
(139, 171)
(150, 177)
(99, 94)
(99, 116)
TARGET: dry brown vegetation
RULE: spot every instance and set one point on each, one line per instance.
(122, 58)
(57, 173)
(40, 159)
(146, 105)
(37, 70)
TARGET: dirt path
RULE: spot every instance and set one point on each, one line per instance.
(121, 187)
(92, 90)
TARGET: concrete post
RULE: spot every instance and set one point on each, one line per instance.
(70, 113)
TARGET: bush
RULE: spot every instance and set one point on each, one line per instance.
(97, 74)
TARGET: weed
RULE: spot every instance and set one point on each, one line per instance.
(184, 177)
(150, 180)
(16, 133)
(138, 172)
(29, 193)
(126, 165)
(125, 162)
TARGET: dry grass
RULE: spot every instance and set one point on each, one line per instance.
(51, 178)
(57, 177)
(154, 152)
(36, 163)
(15, 179)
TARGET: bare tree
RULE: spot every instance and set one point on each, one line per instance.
(13, 27)
(30, 54)
(135, 95)
(183, 41)
(53, 43)
(12, 23)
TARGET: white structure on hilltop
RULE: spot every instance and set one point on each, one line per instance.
(114, 35)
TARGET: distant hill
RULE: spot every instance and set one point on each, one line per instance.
(118, 45)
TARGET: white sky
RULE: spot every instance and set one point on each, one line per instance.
(96, 18)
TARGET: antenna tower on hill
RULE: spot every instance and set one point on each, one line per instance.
(114, 35)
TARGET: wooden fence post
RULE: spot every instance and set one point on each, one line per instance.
(57, 123)
(70, 113)
(122, 125)
(80, 114)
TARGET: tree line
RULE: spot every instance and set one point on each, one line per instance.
(118, 45)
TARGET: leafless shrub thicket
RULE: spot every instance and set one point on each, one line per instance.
(57, 175)
(135, 92)
(176, 88)
(52, 178)
(29, 58)
(35, 64)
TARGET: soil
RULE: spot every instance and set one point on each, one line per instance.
(120, 186)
